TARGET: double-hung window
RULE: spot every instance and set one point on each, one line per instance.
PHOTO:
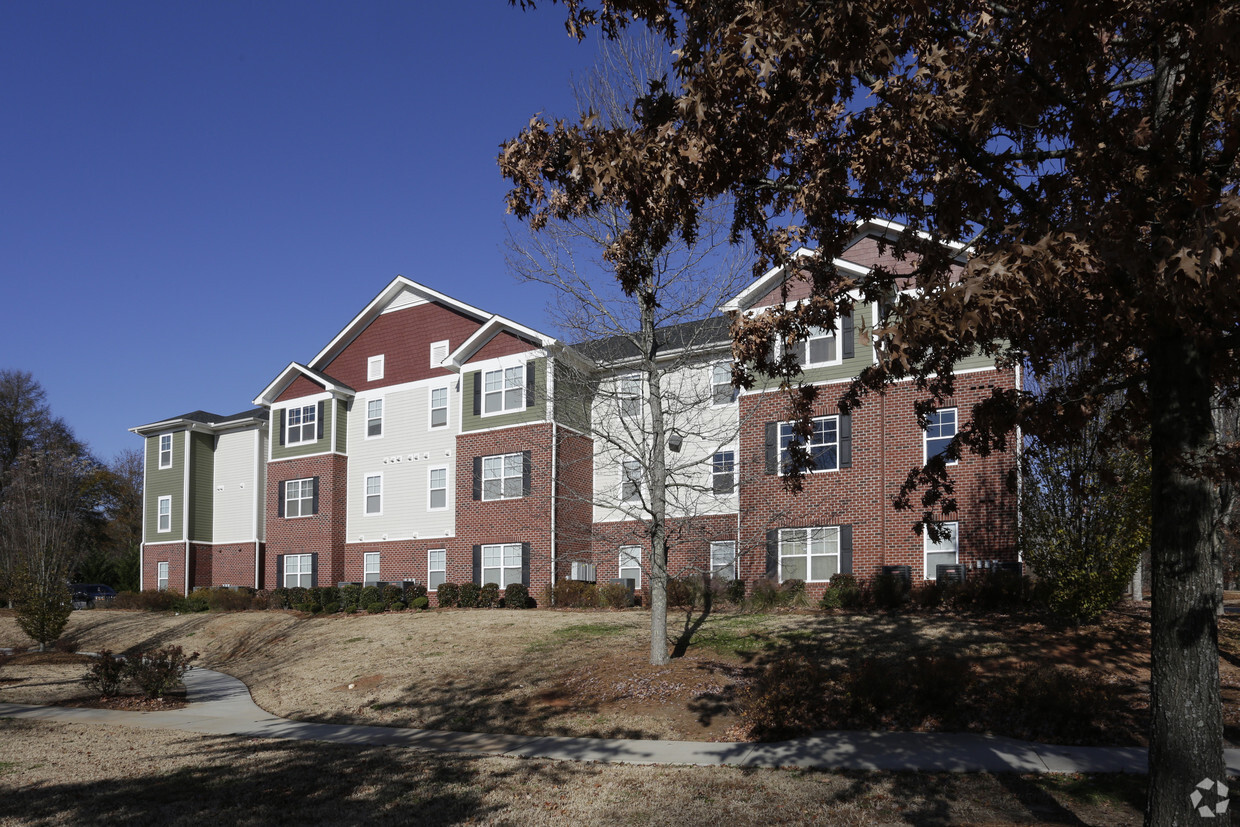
(298, 571)
(630, 480)
(820, 347)
(723, 472)
(165, 514)
(301, 424)
(161, 581)
(721, 390)
(723, 559)
(374, 418)
(437, 496)
(436, 568)
(374, 494)
(503, 477)
(945, 552)
(503, 390)
(299, 498)
(370, 567)
(165, 450)
(501, 564)
(629, 397)
(809, 554)
(631, 564)
(940, 429)
(823, 445)
(439, 407)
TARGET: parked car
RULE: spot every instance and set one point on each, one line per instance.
(88, 595)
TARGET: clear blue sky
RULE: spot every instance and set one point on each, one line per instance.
(194, 194)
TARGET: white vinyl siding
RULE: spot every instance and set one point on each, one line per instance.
(238, 496)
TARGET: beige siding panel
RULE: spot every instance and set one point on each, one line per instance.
(235, 501)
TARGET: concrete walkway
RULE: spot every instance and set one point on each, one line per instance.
(221, 705)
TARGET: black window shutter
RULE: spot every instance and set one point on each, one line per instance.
(477, 478)
(846, 551)
(476, 380)
(478, 565)
(525, 564)
(772, 447)
(279, 570)
(530, 381)
(280, 424)
(848, 337)
(280, 508)
(314, 503)
(846, 440)
(772, 554)
(314, 569)
(525, 473)
(322, 408)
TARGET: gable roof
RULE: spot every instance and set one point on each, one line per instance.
(290, 373)
(489, 330)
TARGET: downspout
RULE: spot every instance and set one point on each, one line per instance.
(555, 462)
(1020, 484)
(146, 446)
(259, 496)
(185, 510)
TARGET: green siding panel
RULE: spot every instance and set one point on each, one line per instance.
(535, 413)
(201, 486)
(319, 446)
(573, 394)
(342, 423)
(165, 482)
(848, 368)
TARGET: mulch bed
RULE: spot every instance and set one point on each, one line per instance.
(130, 703)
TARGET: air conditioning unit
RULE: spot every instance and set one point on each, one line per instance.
(583, 571)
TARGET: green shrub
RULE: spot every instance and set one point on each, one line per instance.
(516, 596)
(376, 608)
(229, 600)
(890, 590)
(393, 595)
(785, 700)
(159, 671)
(279, 598)
(195, 602)
(413, 591)
(331, 608)
(488, 596)
(106, 674)
(851, 595)
(350, 596)
(150, 600)
(765, 595)
(615, 595)
(369, 595)
(575, 594)
(448, 595)
(685, 592)
(735, 592)
(469, 595)
(298, 595)
(308, 607)
(830, 599)
(792, 593)
(928, 595)
(419, 603)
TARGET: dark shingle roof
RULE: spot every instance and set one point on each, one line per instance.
(707, 333)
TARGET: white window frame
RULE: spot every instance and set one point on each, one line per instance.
(717, 387)
(630, 560)
(715, 473)
(373, 418)
(431, 570)
(936, 427)
(431, 489)
(163, 520)
(304, 568)
(720, 549)
(302, 498)
(819, 334)
(367, 494)
(312, 410)
(374, 368)
(369, 558)
(442, 345)
(626, 479)
(787, 436)
(163, 465)
(629, 396)
(928, 548)
(501, 564)
(511, 381)
(430, 420)
(161, 576)
(788, 535)
(501, 461)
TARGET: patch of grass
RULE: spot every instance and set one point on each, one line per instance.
(581, 631)
(1115, 789)
(7, 767)
(355, 640)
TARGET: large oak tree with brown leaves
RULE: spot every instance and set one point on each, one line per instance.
(1087, 154)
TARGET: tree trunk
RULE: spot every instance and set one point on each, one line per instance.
(1186, 724)
(657, 466)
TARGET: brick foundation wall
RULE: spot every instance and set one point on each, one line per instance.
(887, 444)
(223, 564)
(322, 533)
(574, 510)
(171, 553)
(689, 542)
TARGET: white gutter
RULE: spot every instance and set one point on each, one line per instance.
(555, 468)
(185, 513)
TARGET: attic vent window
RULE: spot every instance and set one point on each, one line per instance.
(374, 368)
(439, 352)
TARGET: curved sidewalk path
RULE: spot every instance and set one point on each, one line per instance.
(221, 705)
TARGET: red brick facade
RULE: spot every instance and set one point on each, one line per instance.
(321, 534)
(174, 555)
(403, 337)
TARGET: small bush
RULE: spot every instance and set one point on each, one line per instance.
(413, 591)
(449, 595)
(376, 608)
(488, 596)
(928, 595)
(830, 599)
(331, 608)
(43, 608)
(297, 595)
(279, 598)
(159, 671)
(469, 595)
(615, 595)
(851, 595)
(792, 593)
(194, 603)
(350, 597)
(765, 595)
(229, 600)
(150, 600)
(369, 596)
(735, 592)
(516, 596)
(575, 594)
(785, 700)
(420, 603)
(393, 595)
(684, 592)
(106, 675)
(890, 590)
(308, 607)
